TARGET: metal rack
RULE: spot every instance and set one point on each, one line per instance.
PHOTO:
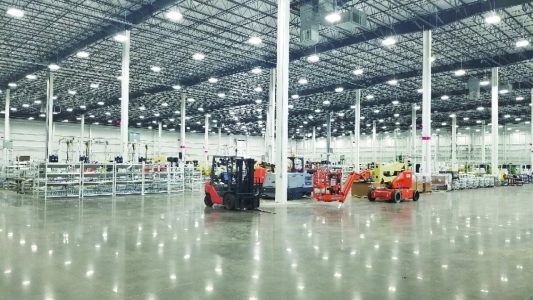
(62, 180)
(97, 180)
(176, 178)
(193, 178)
(128, 179)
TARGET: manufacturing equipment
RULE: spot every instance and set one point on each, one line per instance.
(233, 183)
(398, 189)
(328, 186)
(300, 181)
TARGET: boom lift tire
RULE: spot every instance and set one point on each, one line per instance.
(396, 196)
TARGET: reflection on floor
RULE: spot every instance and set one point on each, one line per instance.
(461, 245)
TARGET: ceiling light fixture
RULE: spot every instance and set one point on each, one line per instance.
(392, 82)
(221, 95)
(100, 103)
(258, 89)
(198, 56)
(445, 97)
(72, 92)
(212, 80)
(519, 98)
(53, 67)
(255, 40)
(174, 15)
(339, 89)
(31, 76)
(493, 18)
(484, 82)
(295, 96)
(155, 69)
(15, 12)
(82, 54)
(257, 70)
(258, 101)
(333, 17)
(176, 87)
(12, 85)
(460, 72)
(302, 81)
(313, 58)
(369, 97)
(357, 72)
(522, 43)
(94, 85)
(120, 37)
(389, 41)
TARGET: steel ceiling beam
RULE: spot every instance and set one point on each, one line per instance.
(132, 19)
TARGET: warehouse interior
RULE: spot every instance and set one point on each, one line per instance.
(255, 149)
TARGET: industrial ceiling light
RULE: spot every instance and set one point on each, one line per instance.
(42, 115)
(37, 102)
(369, 97)
(15, 12)
(164, 104)
(392, 82)
(420, 91)
(258, 101)
(295, 96)
(25, 105)
(317, 110)
(142, 107)
(460, 72)
(395, 102)
(155, 69)
(290, 106)
(31, 76)
(389, 41)
(156, 114)
(507, 116)
(519, 98)
(257, 70)
(83, 106)
(120, 37)
(258, 89)
(522, 43)
(200, 109)
(326, 102)
(198, 56)
(443, 123)
(72, 92)
(107, 113)
(396, 115)
(339, 89)
(141, 117)
(504, 91)
(12, 85)
(341, 114)
(445, 97)
(109, 121)
(176, 87)
(212, 80)
(100, 103)
(313, 58)
(466, 118)
(480, 108)
(302, 81)
(484, 82)
(376, 111)
(357, 72)
(82, 54)
(31, 118)
(221, 95)
(94, 85)
(53, 67)
(174, 15)
(333, 17)
(493, 18)
(255, 40)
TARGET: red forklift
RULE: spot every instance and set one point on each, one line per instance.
(233, 183)
(328, 186)
(400, 188)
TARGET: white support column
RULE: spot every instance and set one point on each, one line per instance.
(219, 148)
(413, 133)
(494, 111)
(49, 114)
(271, 118)
(206, 140)
(357, 130)
(7, 112)
(531, 133)
(159, 134)
(314, 142)
(483, 146)
(82, 133)
(182, 124)
(282, 100)
(455, 167)
(125, 96)
(426, 105)
(374, 142)
(328, 137)
(437, 147)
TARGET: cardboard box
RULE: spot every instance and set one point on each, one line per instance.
(360, 189)
(427, 187)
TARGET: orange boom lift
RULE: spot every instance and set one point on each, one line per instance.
(328, 186)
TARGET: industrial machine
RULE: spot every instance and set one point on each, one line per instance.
(328, 186)
(233, 183)
(386, 173)
(398, 189)
(300, 182)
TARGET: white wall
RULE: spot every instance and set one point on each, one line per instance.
(29, 139)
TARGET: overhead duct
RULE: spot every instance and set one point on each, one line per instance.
(313, 14)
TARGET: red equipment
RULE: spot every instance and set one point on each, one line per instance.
(399, 189)
(328, 187)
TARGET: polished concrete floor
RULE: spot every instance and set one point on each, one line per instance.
(475, 244)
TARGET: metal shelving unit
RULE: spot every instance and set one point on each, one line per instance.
(97, 180)
(62, 180)
(128, 179)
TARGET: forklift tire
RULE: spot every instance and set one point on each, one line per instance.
(229, 201)
(207, 200)
(397, 196)
(370, 198)
(416, 195)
